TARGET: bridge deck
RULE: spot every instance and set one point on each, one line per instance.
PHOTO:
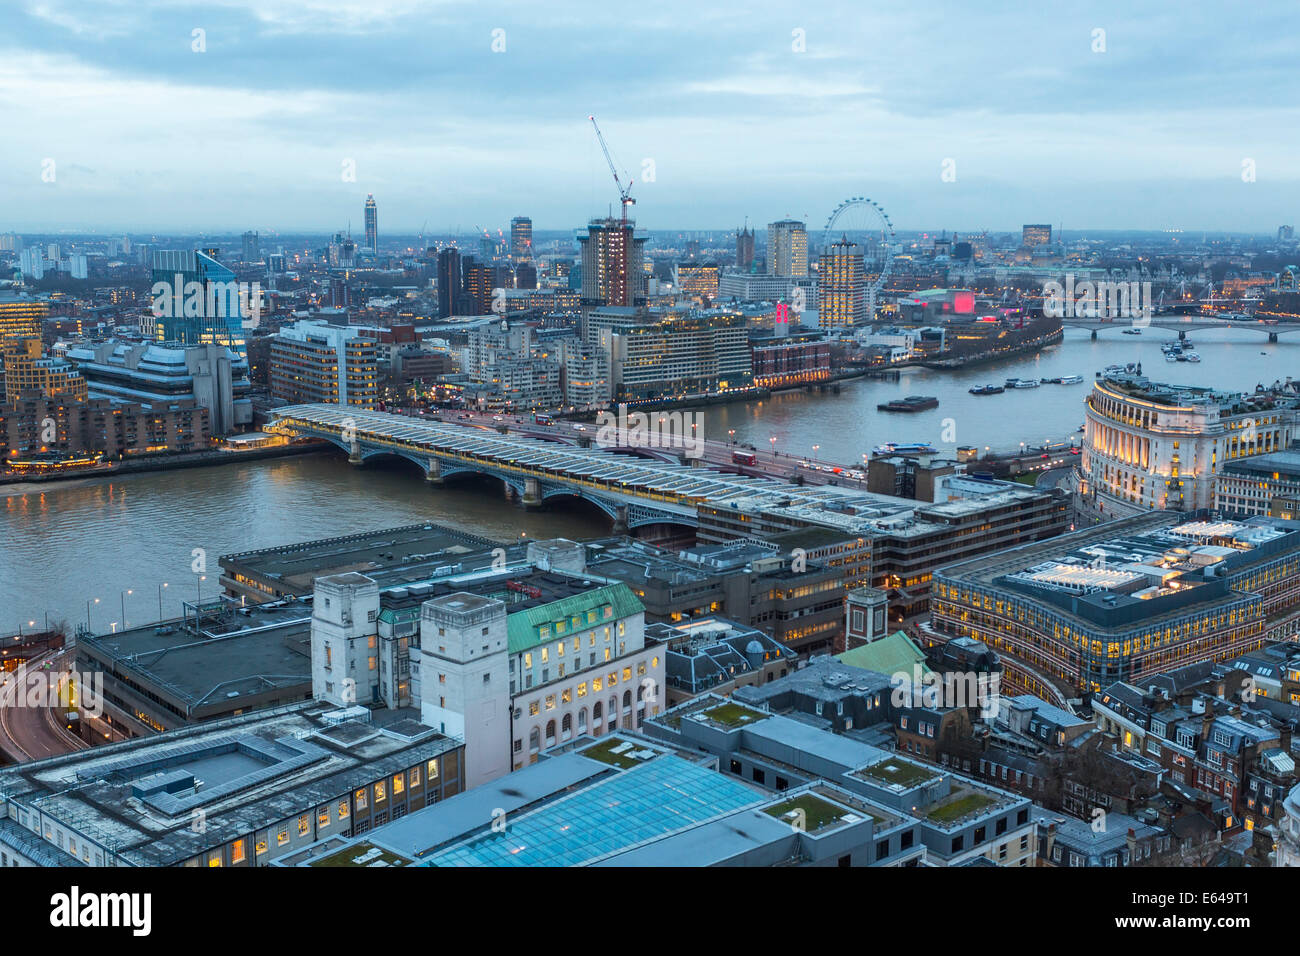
(605, 471)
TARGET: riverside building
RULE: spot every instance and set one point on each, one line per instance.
(1125, 600)
(1148, 445)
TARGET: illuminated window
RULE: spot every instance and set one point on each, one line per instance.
(380, 792)
(582, 689)
(361, 796)
(431, 770)
(343, 810)
(282, 837)
(399, 783)
(323, 817)
(415, 776)
(304, 825)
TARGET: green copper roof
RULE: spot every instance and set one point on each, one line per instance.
(894, 654)
(570, 615)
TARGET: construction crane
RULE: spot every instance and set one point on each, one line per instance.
(624, 192)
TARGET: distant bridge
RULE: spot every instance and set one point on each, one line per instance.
(633, 492)
(1182, 324)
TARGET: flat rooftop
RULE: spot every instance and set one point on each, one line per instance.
(1135, 568)
(138, 798)
(296, 566)
(249, 651)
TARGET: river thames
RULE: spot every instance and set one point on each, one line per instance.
(63, 544)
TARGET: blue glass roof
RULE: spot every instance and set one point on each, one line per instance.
(657, 798)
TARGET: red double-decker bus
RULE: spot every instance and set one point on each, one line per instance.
(744, 458)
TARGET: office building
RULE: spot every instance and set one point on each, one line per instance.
(956, 819)
(1149, 445)
(217, 661)
(613, 272)
(627, 801)
(196, 300)
(842, 285)
(654, 354)
(891, 543)
(521, 238)
(264, 784)
(697, 279)
(1035, 235)
(789, 360)
(512, 660)
(1267, 484)
(166, 375)
(372, 225)
(449, 281)
(756, 287)
(251, 249)
(799, 603)
(26, 371)
(1124, 601)
(787, 248)
(478, 282)
(314, 361)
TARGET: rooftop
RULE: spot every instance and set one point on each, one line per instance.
(137, 799)
(410, 548)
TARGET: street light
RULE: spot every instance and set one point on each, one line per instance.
(160, 590)
(88, 603)
(816, 448)
(123, 595)
(773, 441)
(731, 434)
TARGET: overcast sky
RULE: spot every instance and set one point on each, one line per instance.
(772, 112)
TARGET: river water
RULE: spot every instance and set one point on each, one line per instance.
(64, 544)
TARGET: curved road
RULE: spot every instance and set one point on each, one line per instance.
(32, 733)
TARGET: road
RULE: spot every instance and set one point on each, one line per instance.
(32, 733)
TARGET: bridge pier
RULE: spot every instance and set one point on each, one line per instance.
(433, 474)
(1094, 335)
(620, 522)
(1182, 335)
(1272, 337)
(532, 493)
(354, 453)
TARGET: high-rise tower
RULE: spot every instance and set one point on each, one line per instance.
(521, 238)
(744, 249)
(787, 248)
(372, 225)
(842, 280)
(612, 266)
(449, 281)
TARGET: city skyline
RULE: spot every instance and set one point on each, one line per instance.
(847, 102)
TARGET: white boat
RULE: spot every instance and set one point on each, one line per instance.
(1023, 383)
(1193, 357)
(1071, 379)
